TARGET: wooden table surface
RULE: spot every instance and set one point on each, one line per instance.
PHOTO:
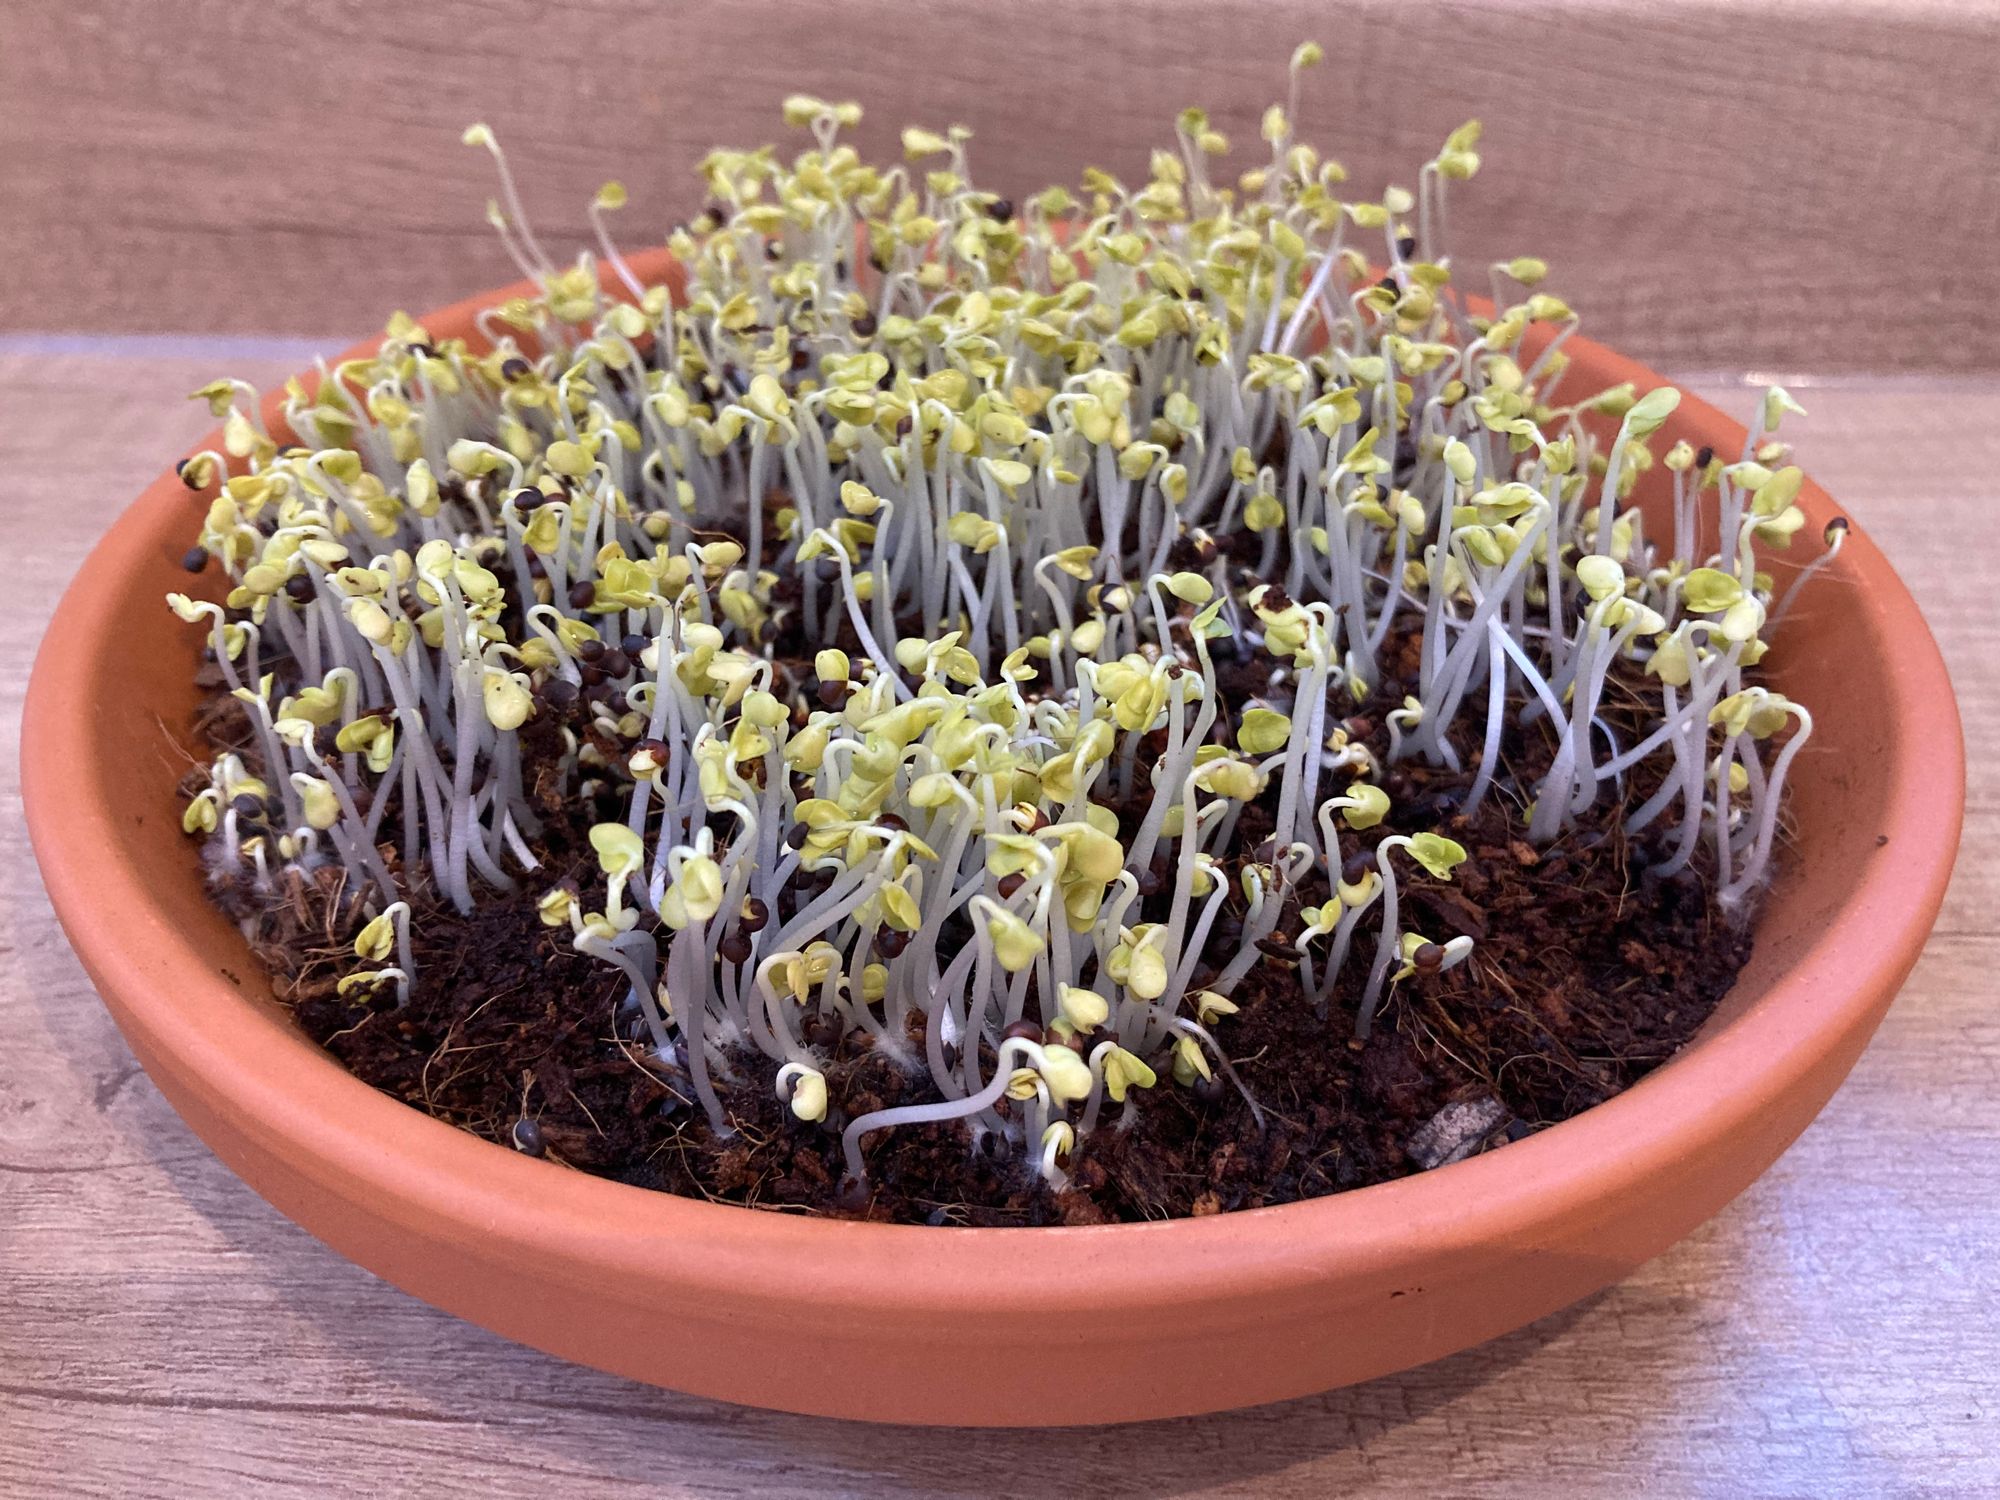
(1836, 1331)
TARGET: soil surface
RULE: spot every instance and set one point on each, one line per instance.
(1587, 973)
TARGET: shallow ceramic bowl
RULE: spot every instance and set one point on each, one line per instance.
(997, 1326)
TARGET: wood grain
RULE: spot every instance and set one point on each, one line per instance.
(1720, 184)
(163, 1332)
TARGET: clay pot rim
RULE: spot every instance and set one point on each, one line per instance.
(578, 1228)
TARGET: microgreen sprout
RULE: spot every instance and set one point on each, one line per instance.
(879, 608)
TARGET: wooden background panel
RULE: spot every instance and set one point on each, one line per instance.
(164, 1333)
(1803, 184)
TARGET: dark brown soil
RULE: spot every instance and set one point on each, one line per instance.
(1587, 974)
(1586, 977)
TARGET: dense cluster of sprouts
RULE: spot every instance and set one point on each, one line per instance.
(885, 595)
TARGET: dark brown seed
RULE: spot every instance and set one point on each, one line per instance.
(195, 559)
(1028, 1031)
(582, 594)
(1355, 866)
(893, 822)
(755, 915)
(299, 587)
(890, 943)
(1209, 1090)
(1276, 947)
(560, 692)
(528, 1137)
(864, 326)
(833, 694)
(1406, 245)
(527, 500)
(1433, 807)
(1000, 210)
(514, 369)
(1010, 884)
(796, 836)
(735, 948)
(634, 646)
(591, 652)
(1427, 958)
(614, 663)
(1704, 456)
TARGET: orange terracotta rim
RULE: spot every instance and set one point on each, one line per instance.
(1001, 1326)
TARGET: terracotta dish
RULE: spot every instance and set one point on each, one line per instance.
(997, 1326)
